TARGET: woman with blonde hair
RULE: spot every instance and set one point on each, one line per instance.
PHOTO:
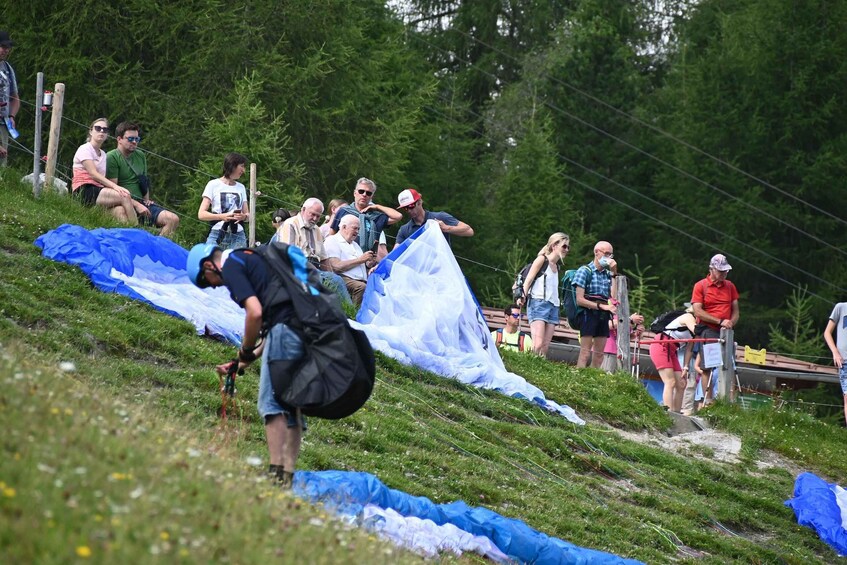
(89, 177)
(541, 289)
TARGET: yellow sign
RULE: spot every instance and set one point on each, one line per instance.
(756, 356)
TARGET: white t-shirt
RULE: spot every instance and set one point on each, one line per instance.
(225, 199)
(546, 287)
(336, 246)
(839, 316)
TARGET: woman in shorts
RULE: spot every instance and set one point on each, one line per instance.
(663, 354)
(89, 182)
(542, 289)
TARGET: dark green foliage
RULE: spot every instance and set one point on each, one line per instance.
(520, 117)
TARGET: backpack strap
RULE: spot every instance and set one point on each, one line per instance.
(521, 339)
(498, 338)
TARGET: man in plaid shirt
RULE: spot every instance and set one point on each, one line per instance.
(593, 284)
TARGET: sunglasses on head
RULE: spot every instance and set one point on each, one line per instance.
(101, 129)
(365, 192)
(134, 138)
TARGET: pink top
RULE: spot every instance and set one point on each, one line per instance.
(87, 152)
(612, 343)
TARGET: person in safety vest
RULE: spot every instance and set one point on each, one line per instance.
(247, 277)
(510, 337)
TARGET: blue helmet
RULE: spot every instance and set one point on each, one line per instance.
(194, 265)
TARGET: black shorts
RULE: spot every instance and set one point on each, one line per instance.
(594, 323)
(88, 194)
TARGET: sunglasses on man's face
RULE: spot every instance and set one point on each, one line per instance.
(133, 138)
(513, 315)
(365, 192)
(101, 129)
(410, 207)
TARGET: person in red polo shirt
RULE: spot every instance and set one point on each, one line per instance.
(715, 304)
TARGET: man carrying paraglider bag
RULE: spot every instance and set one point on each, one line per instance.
(313, 362)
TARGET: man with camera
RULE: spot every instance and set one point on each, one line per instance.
(127, 167)
(347, 259)
(302, 230)
(411, 201)
(593, 289)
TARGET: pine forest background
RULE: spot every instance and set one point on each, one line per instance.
(674, 129)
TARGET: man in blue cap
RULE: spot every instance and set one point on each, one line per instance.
(247, 277)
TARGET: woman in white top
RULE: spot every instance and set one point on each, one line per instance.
(89, 180)
(225, 203)
(542, 288)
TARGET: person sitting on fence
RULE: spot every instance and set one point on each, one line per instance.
(511, 337)
(302, 231)
(225, 204)
(346, 258)
(127, 167)
(90, 183)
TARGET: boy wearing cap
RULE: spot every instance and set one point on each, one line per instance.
(838, 324)
(411, 202)
(9, 101)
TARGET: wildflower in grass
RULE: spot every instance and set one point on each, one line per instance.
(165, 536)
(54, 410)
(9, 492)
(83, 551)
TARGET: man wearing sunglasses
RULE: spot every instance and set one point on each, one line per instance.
(10, 103)
(373, 218)
(511, 337)
(411, 202)
(127, 167)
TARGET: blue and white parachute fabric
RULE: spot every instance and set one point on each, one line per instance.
(823, 507)
(148, 268)
(421, 525)
(419, 310)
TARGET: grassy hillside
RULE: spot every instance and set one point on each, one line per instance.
(139, 416)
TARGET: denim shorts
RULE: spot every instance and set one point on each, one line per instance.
(281, 344)
(842, 375)
(542, 310)
(229, 240)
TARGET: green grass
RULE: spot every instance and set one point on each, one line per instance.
(144, 395)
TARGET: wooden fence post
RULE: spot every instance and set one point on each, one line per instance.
(726, 371)
(55, 134)
(623, 345)
(252, 221)
(36, 142)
